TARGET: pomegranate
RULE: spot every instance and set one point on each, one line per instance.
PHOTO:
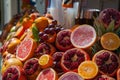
(63, 41)
(57, 60)
(109, 14)
(14, 73)
(44, 48)
(31, 68)
(72, 58)
(107, 61)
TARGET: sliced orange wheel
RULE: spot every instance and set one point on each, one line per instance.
(88, 69)
(45, 61)
(110, 41)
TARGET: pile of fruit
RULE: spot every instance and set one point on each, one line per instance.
(38, 48)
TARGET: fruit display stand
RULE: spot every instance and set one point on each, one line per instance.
(38, 48)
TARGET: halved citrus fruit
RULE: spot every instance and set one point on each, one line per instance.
(70, 76)
(20, 32)
(10, 62)
(41, 23)
(88, 69)
(110, 41)
(47, 74)
(26, 49)
(14, 42)
(83, 36)
(45, 61)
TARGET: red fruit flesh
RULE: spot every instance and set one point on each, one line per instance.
(84, 36)
(44, 48)
(72, 58)
(14, 73)
(26, 49)
(31, 68)
(47, 74)
(108, 62)
(109, 14)
(57, 60)
(70, 76)
(63, 42)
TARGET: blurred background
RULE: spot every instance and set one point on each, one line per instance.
(8, 8)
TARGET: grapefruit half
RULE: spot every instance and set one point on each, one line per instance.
(47, 74)
(83, 36)
(26, 49)
(70, 76)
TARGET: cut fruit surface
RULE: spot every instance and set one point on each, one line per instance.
(63, 41)
(110, 41)
(14, 73)
(83, 36)
(88, 69)
(45, 61)
(70, 76)
(31, 68)
(72, 58)
(107, 62)
(47, 74)
(26, 49)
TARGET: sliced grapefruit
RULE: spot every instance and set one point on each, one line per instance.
(70, 76)
(47, 74)
(83, 36)
(88, 69)
(110, 41)
(26, 49)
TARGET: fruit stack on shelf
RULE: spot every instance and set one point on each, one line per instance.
(38, 48)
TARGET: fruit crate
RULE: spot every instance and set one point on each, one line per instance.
(38, 44)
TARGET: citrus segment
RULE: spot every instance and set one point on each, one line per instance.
(26, 49)
(88, 69)
(83, 36)
(110, 41)
(47, 74)
(45, 61)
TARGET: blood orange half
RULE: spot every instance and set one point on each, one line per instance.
(26, 49)
(83, 36)
(47, 74)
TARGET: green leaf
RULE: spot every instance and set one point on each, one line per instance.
(118, 31)
(99, 27)
(111, 26)
(35, 32)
